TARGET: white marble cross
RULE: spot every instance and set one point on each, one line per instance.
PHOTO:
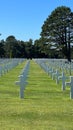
(71, 86)
(63, 78)
(22, 84)
(56, 74)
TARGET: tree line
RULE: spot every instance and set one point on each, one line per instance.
(13, 48)
(55, 42)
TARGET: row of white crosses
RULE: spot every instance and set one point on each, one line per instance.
(64, 84)
(61, 64)
(23, 79)
(63, 77)
(8, 64)
(55, 74)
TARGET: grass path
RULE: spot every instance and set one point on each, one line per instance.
(45, 107)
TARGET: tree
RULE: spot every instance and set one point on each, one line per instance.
(28, 48)
(10, 46)
(39, 48)
(21, 49)
(18, 49)
(58, 29)
(2, 50)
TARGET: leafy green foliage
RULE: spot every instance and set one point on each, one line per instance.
(58, 28)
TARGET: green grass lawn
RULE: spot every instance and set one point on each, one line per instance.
(45, 106)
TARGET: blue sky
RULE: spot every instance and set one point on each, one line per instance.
(24, 18)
